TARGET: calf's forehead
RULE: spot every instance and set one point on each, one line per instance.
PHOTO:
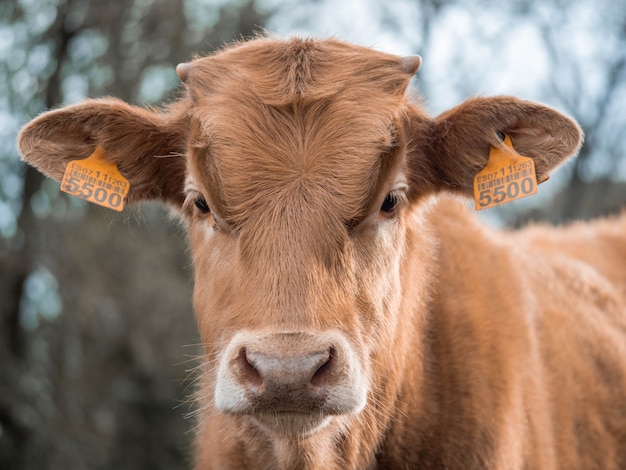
(281, 72)
(320, 131)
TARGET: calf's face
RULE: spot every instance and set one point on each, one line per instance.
(299, 167)
(295, 210)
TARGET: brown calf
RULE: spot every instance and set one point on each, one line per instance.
(354, 314)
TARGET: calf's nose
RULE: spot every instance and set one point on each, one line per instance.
(280, 374)
(293, 373)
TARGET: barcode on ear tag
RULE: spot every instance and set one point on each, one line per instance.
(96, 180)
(506, 177)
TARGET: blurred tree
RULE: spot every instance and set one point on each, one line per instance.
(591, 85)
(87, 351)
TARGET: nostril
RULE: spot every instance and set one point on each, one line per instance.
(325, 371)
(247, 371)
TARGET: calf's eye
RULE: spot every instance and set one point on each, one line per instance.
(390, 203)
(201, 204)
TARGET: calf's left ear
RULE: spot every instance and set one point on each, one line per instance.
(460, 139)
(145, 145)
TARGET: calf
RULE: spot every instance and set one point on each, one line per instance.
(354, 314)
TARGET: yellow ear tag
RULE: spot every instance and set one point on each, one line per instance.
(506, 177)
(96, 180)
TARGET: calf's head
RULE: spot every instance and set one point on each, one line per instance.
(299, 168)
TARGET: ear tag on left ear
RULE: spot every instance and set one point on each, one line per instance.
(97, 180)
(506, 177)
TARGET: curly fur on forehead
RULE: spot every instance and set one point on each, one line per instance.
(294, 125)
(282, 72)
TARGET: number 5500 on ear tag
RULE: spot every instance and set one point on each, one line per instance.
(506, 177)
(96, 180)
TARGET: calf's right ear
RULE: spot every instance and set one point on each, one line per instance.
(148, 147)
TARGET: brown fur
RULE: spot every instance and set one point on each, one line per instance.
(480, 349)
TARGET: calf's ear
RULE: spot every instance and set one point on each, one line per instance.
(460, 139)
(146, 146)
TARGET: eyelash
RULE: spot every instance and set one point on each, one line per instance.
(391, 202)
(202, 205)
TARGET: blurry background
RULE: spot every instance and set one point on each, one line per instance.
(97, 337)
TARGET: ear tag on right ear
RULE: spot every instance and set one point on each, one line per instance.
(96, 180)
(506, 177)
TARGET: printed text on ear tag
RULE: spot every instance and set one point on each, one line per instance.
(506, 177)
(96, 180)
